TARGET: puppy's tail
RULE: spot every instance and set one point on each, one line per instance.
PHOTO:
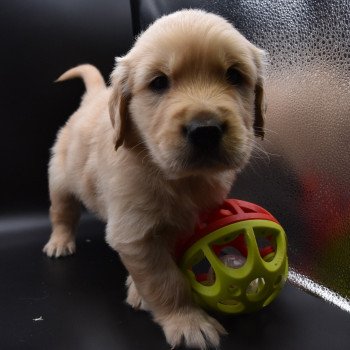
(91, 76)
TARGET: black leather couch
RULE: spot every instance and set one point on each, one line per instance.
(78, 302)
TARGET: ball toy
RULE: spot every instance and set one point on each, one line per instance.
(236, 259)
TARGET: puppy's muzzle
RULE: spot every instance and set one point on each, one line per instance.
(204, 139)
(204, 135)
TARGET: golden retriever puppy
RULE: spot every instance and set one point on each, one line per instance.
(161, 144)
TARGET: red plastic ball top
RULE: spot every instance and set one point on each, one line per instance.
(230, 212)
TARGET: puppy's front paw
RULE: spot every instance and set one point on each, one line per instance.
(194, 328)
(59, 246)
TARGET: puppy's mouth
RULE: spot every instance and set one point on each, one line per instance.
(199, 163)
(208, 159)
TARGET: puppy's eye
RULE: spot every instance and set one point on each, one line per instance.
(234, 76)
(160, 84)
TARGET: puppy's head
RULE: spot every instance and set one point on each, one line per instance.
(191, 91)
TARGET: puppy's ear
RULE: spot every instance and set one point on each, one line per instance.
(119, 105)
(260, 99)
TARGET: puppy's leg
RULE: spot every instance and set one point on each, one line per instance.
(134, 298)
(64, 214)
(167, 294)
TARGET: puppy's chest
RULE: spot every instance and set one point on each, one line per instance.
(180, 205)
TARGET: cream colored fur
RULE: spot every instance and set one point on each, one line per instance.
(122, 154)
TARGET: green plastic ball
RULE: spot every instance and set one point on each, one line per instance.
(242, 265)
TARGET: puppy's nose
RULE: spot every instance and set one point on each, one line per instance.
(204, 133)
